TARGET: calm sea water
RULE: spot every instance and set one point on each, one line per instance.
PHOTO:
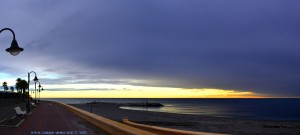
(263, 109)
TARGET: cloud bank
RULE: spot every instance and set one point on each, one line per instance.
(241, 45)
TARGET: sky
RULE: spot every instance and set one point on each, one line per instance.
(154, 49)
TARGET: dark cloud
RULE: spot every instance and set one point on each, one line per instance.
(242, 45)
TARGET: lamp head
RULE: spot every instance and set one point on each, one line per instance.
(14, 48)
(39, 86)
(35, 79)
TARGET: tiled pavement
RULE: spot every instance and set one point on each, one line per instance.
(52, 119)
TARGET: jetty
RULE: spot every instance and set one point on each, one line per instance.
(143, 104)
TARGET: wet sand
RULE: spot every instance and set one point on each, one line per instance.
(194, 122)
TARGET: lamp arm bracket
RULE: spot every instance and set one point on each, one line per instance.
(10, 31)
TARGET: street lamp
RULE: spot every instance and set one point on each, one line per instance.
(35, 80)
(14, 49)
(39, 91)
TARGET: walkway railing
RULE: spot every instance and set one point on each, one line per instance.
(110, 126)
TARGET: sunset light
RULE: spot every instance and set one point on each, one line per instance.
(144, 92)
(149, 67)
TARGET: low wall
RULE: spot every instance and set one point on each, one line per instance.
(165, 131)
(110, 126)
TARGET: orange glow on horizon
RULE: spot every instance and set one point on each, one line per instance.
(151, 92)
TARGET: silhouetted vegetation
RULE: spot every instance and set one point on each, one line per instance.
(12, 88)
(10, 97)
(21, 85)
(5, 86)
(18, 87)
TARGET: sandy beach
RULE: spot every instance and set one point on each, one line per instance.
(194, 122)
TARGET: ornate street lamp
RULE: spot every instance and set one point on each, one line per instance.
(14, 49)
(35, 80)
(39, 91)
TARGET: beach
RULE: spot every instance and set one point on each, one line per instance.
(193, 122)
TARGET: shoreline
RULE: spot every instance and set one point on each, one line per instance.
(193, 122)
(236, 118)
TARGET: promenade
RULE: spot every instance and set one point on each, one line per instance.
(50, 118)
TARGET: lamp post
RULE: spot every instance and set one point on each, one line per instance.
(35, 92)
(35, 80)
(14, 49)
(39, 95)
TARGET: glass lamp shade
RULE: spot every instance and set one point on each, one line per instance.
(14, 48)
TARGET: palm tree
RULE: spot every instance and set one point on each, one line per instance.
(12, 88)
(23, 86)
(18, 87)
(5, 86)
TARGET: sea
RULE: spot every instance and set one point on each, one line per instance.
(253, 108)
